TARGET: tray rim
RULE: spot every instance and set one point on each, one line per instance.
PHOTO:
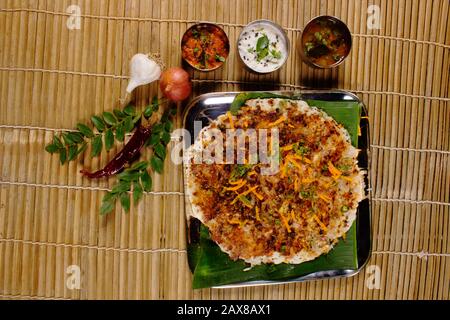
(320, 275)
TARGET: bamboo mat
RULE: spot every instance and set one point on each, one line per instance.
(52, 77)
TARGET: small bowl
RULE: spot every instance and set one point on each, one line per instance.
(278, 43)
(325, 42)
(205, 47)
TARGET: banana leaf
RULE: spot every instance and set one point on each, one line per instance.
(212, 267)
(241, 98)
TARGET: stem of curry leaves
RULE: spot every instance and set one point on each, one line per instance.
(112, 126)
(160, 138)
(108, 128)
(136, 180)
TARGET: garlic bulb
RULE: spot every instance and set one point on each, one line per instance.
(143, 70)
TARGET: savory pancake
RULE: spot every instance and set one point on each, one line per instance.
(292, 216)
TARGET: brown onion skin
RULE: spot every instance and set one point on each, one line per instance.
(175, 84)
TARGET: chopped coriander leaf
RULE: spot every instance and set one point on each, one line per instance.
(239, 171)
(306, 194)
(318, 36)
(344, 167)
(301, 150)
(245, 200)
(220, 58)
(262, 54)
(276, 54)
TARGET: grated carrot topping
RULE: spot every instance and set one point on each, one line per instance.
(245, 204)
(320, 223)
(237, 222)
(283, 168)
(295, 163)
(327, 185)
(324, 198)
(306, 160)
(236, 187)
(250, 189)
(347, 178)
(293, 216)
(285, 222)
(230, 118)
(257, 214)
(333, 170)
(234, 221)
(258, 195)
(287, 148)
(301, 158)
(280, 120)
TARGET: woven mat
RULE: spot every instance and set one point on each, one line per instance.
(51, 77)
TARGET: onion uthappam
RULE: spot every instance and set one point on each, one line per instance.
(292, 215)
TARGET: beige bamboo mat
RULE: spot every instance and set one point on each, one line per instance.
(52, 77)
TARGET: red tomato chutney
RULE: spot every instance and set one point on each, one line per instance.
(205, 46)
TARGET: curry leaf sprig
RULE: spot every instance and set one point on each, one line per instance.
(136, 180)
(112, 126)
(68, 145)
(101, 133)
(160, 138)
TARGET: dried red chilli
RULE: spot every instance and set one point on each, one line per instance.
(128, 154)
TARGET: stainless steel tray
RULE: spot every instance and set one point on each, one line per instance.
(208, 107)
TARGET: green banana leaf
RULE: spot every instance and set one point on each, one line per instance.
(241, 98)
(212, 267)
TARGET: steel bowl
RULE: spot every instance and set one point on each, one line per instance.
(200, 25)
(285, 39)
(346, 35)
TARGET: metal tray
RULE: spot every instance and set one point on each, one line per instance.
(208, 107)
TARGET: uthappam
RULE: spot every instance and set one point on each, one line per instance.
(289, 215)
